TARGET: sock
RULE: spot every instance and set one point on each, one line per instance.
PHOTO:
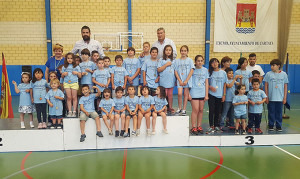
(31, 122)
(22, 123)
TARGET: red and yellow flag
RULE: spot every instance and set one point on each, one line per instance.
(6, 110)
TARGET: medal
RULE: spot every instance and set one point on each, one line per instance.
(181, 73)
(41, 98)
(276, 86)
(217, 87)
(130, 71)
(120, 82)
(199, 84)
(56, 108)
(154, 75)
(69, 81)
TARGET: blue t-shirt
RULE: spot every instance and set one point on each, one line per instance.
(119, 103)
(70, 78)
(183, 68)
(246, 75)
(109, 70)
(198, 82)
(256, 96)
(242, 108)
(107, 104)
(159, 103)
(150, 67)
(167, 77)
(101, 76)
(217, 80)
(276, 82)
(52, 64)
(146, 102)
(119, 75)
(88, 102)
(39, 91)
(25, 99)
(230, 91)
(132, 65)
(87, 79)
(57, 108)
(131, 102)
(142, 60)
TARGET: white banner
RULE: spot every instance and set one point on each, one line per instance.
(246, 25)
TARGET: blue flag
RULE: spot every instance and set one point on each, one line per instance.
(287, 104)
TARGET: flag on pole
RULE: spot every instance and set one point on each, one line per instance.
(287, 105)
(6, 110)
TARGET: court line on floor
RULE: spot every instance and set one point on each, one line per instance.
(218, 167)
(192, 156)
(286, 152)
(23, 164)
(124, 164)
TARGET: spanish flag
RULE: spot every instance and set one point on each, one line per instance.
(6, 110)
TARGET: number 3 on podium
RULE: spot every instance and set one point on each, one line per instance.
(250, 140)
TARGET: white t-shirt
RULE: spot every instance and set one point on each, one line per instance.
(256, 67)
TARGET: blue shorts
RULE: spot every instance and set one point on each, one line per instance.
(244, 116)
(55, 117)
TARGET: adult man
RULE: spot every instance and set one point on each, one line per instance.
(88, 43)
(162, 41)
(252, 65)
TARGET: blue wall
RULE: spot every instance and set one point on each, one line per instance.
(14, 73)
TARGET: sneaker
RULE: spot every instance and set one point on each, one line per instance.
(153, 132)
(59, 126)
(271, 128)
(53, 126)
(122, 133)
(110, 132)
(279, 129)
(199, 130)
(210, 130)
(99, 134)
(217, 129)
(31, 125)
(138, 132)
(69, 114)
(73, 114)
(40, 126)
(82, 137)
(178, 112)
(49, 124)
(23, 126)
(183, 112)
(126, 135)
(117, 133)
(44, 125)
(165, 131)
(249, 130)
(134, 133)
(244, 132)
(194, 131)
(258, 130)
(148, 132)
(236, 132)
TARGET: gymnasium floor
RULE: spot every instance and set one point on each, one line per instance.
(177, 162)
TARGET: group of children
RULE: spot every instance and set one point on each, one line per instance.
(156, 78)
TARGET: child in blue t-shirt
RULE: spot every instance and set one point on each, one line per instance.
(166, 70)
(160, 108)
(199, 94)
(241, 70)
(146, 104)
(133, 67)
(54, 99)
(276, 82)
(230, 90)
(25, 104)
(131, 103)
(256, 75)
(119, 111)
(107, 106)
(119, 75)
(145, 56)
(87, 108)
(217, 91)
(87, 68)
(150, 73)
(70, 73)
(184, 68)
(107, 67)
(38, 93)
(256, 98)
(240, 102)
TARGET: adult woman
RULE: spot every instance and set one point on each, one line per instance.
(55, 61)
